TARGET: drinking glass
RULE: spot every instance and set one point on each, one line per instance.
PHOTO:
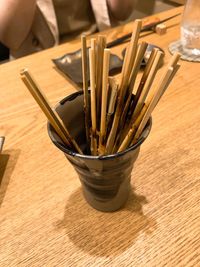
(190, 28)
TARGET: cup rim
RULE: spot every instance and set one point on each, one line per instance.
(64, 149)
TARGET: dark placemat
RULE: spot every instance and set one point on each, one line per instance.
(70, 64)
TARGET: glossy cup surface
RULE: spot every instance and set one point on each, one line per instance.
(105, 179)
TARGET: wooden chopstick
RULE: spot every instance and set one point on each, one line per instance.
(148, 27)
(144, 76)
(106, 59)
(139, 57)
(172, 63)
(111, 106)
(147, 69)
(165, 80)
(93, 102)
(148, 83)
(176, 68)
(51, 115)
(129, 58)
(113, 97)
(143, 89)
(175, 58)
(85, 87)
(113, 91)
(126, 71)
(132, 130)
(153, 102)
(101, 45)
(145, 113)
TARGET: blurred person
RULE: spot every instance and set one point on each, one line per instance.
(28, 26)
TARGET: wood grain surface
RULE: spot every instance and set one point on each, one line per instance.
(44, 219)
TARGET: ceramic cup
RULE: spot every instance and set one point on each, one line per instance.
(105, 179)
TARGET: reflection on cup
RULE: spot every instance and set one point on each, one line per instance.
(105, 179)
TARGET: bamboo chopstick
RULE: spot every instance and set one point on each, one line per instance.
(113, 97)
(116, 118)
(145, 113)
(85, 87)
(144, 91)
(140, 88)
(113, 86)
(101, 45)
(153, 102)
(145, 75)
(176, 68)
(137, 128)
(172, 63)
(51, 115)
(175, 58)
(132, 131)
(126, 71)
(130, 55)
(140, 55)
(106, 59)
(93, 102)
(148, 83)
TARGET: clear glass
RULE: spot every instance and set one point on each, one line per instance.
(190, 27)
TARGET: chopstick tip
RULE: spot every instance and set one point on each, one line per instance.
(23, 71)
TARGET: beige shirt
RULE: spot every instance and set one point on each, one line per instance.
(73, 18)
(65, 19)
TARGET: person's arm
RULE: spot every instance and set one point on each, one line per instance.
(109, 12)
(16, 17)
(120, 9)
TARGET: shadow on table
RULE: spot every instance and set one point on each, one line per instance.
(105, 234)
(8, 161)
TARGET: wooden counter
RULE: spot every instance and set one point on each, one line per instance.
(44, 219)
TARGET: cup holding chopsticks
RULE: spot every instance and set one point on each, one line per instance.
(105, 179)
(100, 130)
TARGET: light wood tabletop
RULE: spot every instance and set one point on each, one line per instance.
(44, 219)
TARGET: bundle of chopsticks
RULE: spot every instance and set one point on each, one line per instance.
(114, 118)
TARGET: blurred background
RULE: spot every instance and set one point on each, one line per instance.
(148, 7)
(143, 8)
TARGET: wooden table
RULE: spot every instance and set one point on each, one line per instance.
(45, 220)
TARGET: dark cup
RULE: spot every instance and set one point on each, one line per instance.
(105, 179)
